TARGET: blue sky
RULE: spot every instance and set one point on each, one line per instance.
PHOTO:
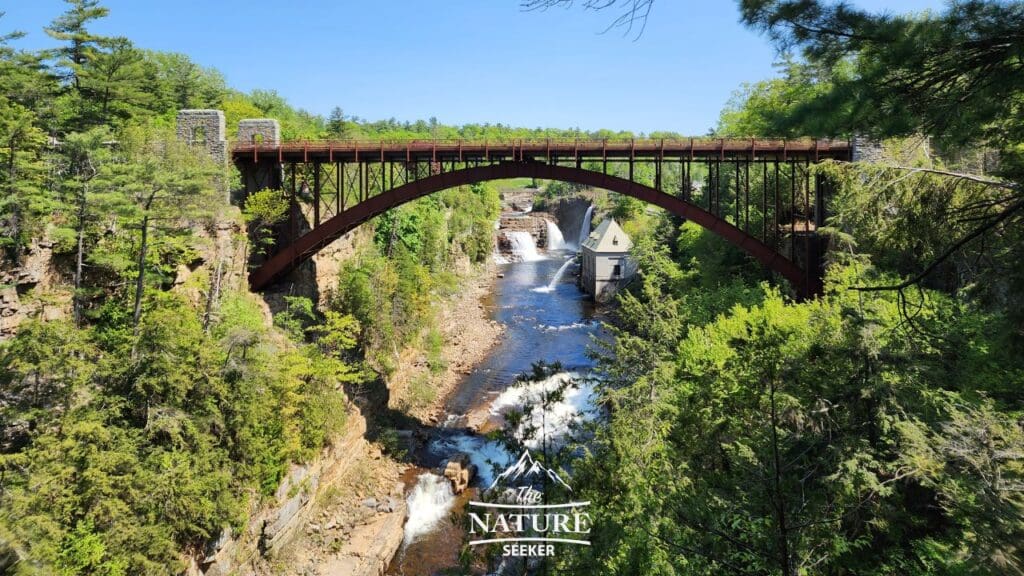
(459, 60)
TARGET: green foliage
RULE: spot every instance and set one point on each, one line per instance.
(184, 84)
(433, 346)
(390, 299)
(85, 552)
(906, 220)
(767, 108)
(237, 107)
(296, 317)
(392, 443)
(770, 437)
(954, 75)
(43, 369)
(750, 434)
(144, 432)
(554, 190)
(626, 208)
(262, 211)
(127, 462)
(422, 391)
(390, 287)
(80, 45)
(22, 202)
(265, 208)
(863, 433)
(337, 334)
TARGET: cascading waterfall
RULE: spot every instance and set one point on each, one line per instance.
(523, 246)
(429, 502)
(554, 280)
(554, 326)
(555, 239)
(585, 227)
(575, 404)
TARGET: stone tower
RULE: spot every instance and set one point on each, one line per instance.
(204, 128)
(259, 131)
(866, 149)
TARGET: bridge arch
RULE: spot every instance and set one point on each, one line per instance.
(310, 243)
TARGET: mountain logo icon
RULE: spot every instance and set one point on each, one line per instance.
(527, 469)
(522, 520)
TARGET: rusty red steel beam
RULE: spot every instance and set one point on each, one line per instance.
(304, 247)
(407, 150)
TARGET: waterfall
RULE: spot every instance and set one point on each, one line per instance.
(555, 239)
(585, 227)
(554, 280)
(523, 246)
(574, 405)
(429, 502)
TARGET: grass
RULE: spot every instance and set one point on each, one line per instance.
(422, 391)
(433, 346)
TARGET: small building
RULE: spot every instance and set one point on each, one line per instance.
(605, 264)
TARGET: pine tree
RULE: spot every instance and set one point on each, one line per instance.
(87, 157)
(167, 187)
(336, 123)
(22, 175)
(116, 85)
(81, 45)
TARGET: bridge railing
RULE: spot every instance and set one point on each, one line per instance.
(560, 145)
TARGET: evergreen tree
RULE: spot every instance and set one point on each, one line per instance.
(167, 187)
(116, 85)
(87, 156)
(954, 75)
(80, 46)
(21, 178)
(336, 123)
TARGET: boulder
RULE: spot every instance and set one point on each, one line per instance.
(459, 471)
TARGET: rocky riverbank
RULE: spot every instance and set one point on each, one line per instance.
(357, 519)
(469, 334)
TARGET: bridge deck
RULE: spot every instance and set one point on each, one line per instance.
(751, 192)
(548, 149)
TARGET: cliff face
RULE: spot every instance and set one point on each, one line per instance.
(569, 213)
(535, 223)
(40, 286)
(349, 500)
(349, 497)
(317, 278)
(19, 285)
(324, 499)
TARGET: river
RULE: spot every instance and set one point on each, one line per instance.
(547, 318)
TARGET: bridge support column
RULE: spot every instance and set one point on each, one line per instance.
(259, 175)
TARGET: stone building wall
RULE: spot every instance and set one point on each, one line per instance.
(204, 128)
(259, 130)
(867, 150)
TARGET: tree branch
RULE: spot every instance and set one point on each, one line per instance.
(960, 175)
(1006, 213)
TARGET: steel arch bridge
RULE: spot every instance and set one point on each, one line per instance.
(759, 195)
